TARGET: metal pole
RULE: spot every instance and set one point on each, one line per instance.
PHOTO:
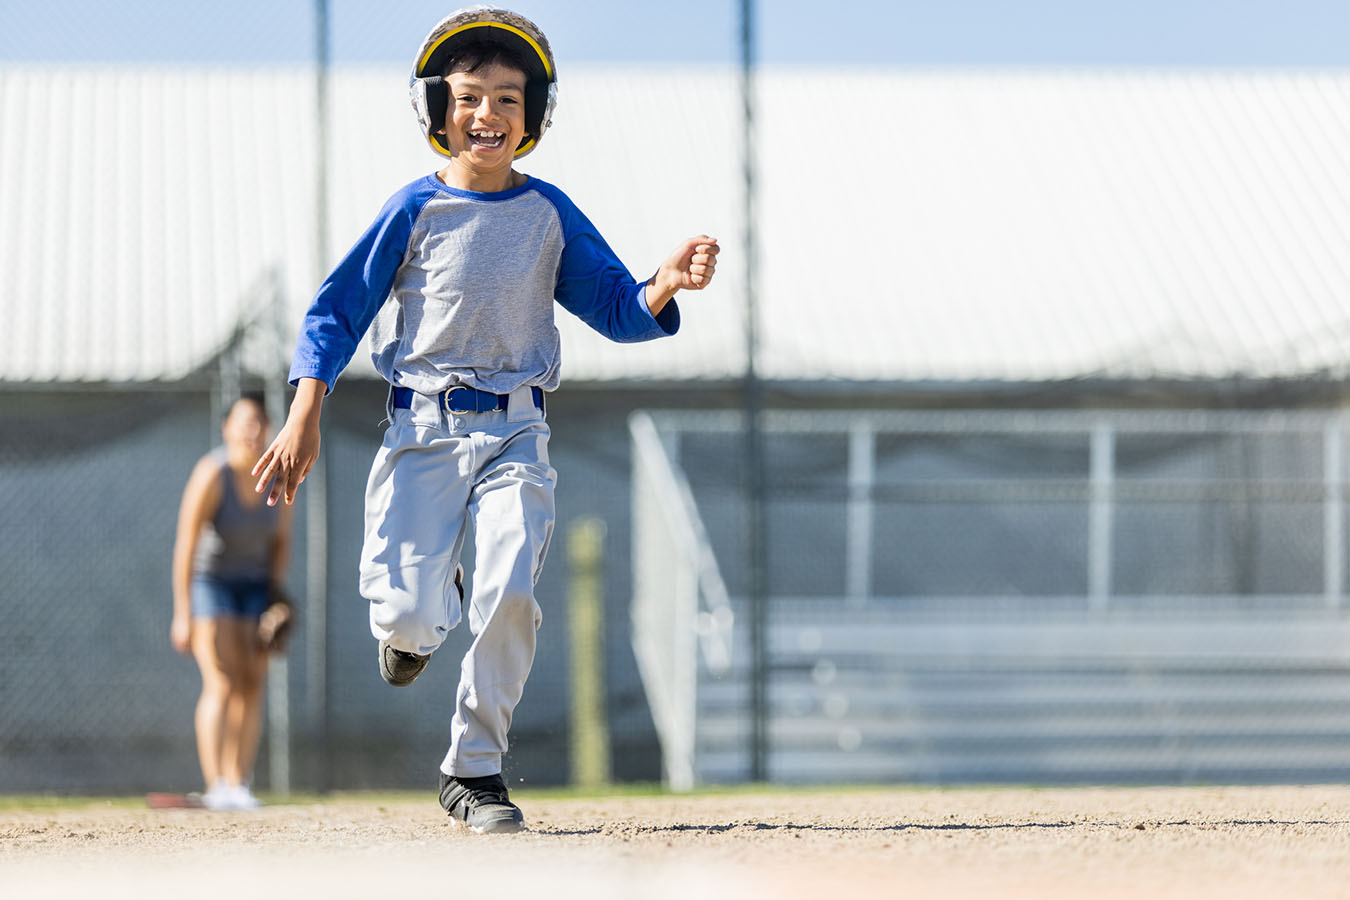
(862, 441)
(1333, 511)
(321, 65)
(1102, 472)
(754, 439)
(316, 500)
(278, 675)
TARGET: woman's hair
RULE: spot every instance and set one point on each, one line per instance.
(254, 397)
(474, 55)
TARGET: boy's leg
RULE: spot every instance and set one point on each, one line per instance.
(512, 509)
(416, 500)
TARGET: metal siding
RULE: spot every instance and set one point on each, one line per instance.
(949, 225)
(1057, 225)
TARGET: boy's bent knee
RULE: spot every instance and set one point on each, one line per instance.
(413, 607)
(408, 627)
(414, 616)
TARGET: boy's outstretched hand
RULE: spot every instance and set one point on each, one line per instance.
(689, 268)
(296, 447)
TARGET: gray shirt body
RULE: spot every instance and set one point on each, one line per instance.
(458, 288)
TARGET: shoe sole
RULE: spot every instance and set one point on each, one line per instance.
(388, 676)
(503, 828)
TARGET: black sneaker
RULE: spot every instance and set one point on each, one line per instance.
(399, 668)
(481, 803)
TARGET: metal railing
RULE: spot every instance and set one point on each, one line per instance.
(680, 605)
(1186, 568)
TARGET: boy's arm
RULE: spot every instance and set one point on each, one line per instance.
(337, 318)
(690, 267)
(347, 301)
(295, 449)
(596, 287)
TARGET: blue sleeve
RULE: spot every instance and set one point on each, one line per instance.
(595, 286)
(348, 300)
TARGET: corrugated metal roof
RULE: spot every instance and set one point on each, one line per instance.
(139, 209)
(948, 225)
(1057, 225)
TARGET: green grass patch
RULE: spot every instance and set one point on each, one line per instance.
(38, 802)
(59, 801)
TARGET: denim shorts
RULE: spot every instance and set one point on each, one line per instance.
(213, 598)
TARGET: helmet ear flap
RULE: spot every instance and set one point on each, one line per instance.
(437, 92)
(536, 107)
(431, 102)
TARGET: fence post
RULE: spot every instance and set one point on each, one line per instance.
(862, 441)
(316, 629)
(1333, 511)
(586, 626)
(278, 672)
(1102, 472)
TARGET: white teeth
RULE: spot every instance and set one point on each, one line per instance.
(487, 134)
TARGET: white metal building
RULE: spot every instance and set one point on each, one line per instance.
(952, 226)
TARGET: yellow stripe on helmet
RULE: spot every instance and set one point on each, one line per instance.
(543, 57)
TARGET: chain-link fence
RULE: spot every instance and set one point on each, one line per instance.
(952, 596)
(1031, 596)
(92, 696)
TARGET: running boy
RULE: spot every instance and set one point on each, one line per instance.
(456, 279)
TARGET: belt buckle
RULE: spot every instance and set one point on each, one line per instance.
(472, 400)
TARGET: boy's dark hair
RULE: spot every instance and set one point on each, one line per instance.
(475, 55)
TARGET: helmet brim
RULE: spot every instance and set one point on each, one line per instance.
(434, 58)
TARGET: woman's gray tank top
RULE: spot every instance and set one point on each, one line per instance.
(236, 542)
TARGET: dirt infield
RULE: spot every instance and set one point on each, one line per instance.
(991, 843)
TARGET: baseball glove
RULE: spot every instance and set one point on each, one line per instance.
(274, 626)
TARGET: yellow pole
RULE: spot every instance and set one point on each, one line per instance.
(586, 608)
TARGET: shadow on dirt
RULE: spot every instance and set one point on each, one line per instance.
(637, 829)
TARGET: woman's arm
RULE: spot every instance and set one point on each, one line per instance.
(201, 499)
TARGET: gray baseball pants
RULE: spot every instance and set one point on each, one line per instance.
(434, 472)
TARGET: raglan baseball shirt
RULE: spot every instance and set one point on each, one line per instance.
(457, 289)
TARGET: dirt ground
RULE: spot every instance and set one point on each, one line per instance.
(1098, 843)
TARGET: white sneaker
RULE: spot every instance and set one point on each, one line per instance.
(234, 797)
(220, 796)
(243, 798)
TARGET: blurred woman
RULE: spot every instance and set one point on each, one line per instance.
(229, 559)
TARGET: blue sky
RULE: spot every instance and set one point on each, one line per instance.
(918, 32)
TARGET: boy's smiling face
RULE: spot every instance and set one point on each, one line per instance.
(485, 122)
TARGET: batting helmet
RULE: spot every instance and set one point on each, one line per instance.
(431, 93)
